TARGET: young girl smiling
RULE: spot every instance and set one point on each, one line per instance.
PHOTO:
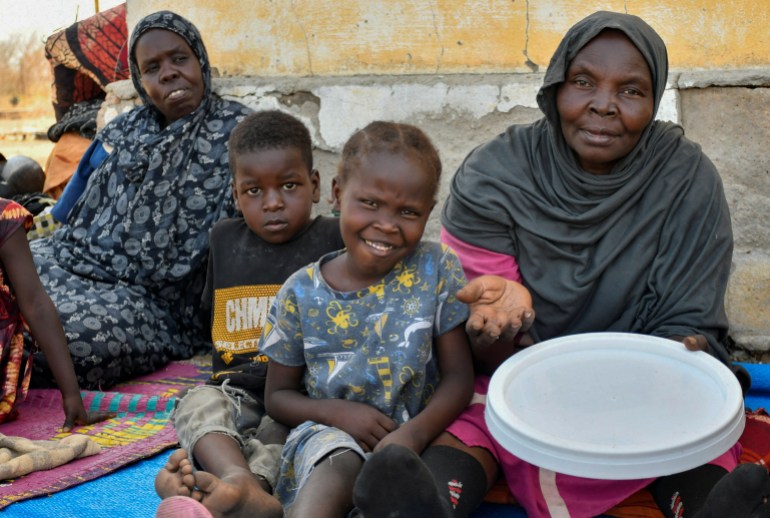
(374, 331)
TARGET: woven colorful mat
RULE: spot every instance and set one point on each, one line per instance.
(169, 381)
(140, 429)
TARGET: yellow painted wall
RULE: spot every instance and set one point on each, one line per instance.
(349, 37)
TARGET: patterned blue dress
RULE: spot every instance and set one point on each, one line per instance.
(373, 346)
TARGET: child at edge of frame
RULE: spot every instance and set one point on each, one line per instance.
(26, 307)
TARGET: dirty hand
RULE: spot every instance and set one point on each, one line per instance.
(499, 309)
(693, 342)
(403, 437)
(75, 414)
(367, 425)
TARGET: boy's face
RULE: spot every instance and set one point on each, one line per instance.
(275, 192)
(384, 206)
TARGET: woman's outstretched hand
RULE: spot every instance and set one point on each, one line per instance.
(499, 309)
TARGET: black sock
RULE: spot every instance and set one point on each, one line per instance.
(460, 477)
(683, 494)
(395, 482)
(743, 493)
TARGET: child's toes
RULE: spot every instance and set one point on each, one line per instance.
(175, 458)
(205, 481)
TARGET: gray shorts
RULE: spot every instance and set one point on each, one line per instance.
(233, 412)
(307, 445)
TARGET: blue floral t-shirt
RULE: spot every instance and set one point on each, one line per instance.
(374, 345)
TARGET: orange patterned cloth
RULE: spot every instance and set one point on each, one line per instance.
(63, 161)
(756, 438)
(15, 369)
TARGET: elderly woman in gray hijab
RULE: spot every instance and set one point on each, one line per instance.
(612, 221)
(126, 270)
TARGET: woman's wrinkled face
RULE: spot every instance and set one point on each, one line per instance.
(605, 102)
(170, 73)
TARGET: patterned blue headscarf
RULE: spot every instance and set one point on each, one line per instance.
(169, 21)
(126, 270)
(162, 187)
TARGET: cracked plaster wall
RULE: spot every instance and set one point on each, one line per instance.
(338, 65)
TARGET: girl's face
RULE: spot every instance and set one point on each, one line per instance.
(605, 102)
(384, 205)
(170, 73)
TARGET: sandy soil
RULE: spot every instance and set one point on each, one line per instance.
(25, 134)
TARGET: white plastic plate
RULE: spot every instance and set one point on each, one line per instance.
(614, 406)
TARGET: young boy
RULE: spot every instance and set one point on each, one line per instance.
(222, 426)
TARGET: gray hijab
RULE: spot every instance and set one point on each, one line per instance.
(646, 248)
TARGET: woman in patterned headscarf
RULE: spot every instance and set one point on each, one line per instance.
(125, 271)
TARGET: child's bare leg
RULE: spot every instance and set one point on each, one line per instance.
(176, 479)
(228, 487)
(329, 488)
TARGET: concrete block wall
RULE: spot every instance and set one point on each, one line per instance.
(464, 70)
(732, 124)
(300, 38)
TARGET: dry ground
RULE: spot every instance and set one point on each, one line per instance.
(24, 133)
(23, 126)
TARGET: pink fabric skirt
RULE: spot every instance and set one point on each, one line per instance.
(542, 492)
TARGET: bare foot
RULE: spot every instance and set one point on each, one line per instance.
(238, 494)
(176, 478)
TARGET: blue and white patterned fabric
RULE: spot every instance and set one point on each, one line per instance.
(126, 270)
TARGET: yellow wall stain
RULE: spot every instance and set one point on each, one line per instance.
(349, 37)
